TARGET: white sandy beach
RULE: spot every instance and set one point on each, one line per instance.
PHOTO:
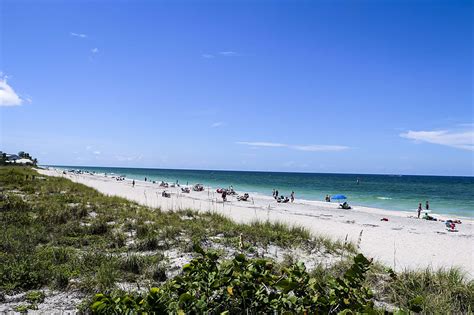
(401, 242)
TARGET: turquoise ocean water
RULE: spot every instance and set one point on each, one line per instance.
(447, 195)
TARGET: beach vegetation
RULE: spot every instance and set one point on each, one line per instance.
(250, 286)
(66, 236)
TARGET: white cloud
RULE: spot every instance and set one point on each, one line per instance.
(95, 50)
(309, 148)
(319, 147)
(78, 35)
(457, 139)
(96, 152)
(217, 124)
(229, 53)
(8, 96)
(262, 144)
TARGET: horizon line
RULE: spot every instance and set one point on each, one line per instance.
(256, 171)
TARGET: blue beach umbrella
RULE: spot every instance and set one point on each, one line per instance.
(338, 197)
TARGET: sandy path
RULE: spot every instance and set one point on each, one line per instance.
(400, 243)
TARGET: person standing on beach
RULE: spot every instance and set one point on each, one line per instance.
(427, 206)
(276, 194)
(224, 195)
(133, 183)
(145, 179)
(292, 196)
(273, 193)
(419, 209)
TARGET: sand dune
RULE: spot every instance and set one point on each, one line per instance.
(401, 242)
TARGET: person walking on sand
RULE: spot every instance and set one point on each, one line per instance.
(292, 196)
(224, 195)
(276, 194)
(419, 209)
(427, 206)
(133, 183)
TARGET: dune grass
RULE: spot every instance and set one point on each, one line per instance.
(65, 235)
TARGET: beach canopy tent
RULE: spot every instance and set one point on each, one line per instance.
(338, 197)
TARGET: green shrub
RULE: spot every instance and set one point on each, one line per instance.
(246, 286)
(35, 297)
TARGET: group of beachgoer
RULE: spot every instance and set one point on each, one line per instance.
(282, 198)
(450, 224)
(420, 208)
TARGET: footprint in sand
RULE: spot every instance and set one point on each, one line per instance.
(326, 215)
(350, 221)
(397, 228)
(438, 232)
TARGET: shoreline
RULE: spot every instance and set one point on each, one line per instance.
(394, 207)
(401, 242)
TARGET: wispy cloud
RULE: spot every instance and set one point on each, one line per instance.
(229, 53)
(96, 152)
(8, 96)
(460, 139)
(319, 147)
(218, 124)
(262, 144)
(95, 50)
(78, 35)
(308, 148)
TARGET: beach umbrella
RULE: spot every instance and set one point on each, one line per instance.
(338, 197)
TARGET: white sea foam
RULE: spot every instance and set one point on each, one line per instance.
(384, 198)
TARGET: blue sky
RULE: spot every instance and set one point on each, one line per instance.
(306, 86)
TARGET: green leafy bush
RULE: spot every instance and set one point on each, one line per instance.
(35, 297)
(246, 286)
